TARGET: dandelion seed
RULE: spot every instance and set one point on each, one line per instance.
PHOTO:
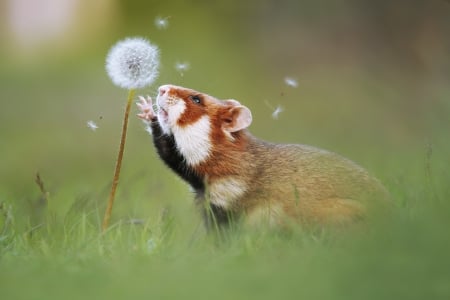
(181, 67)
(92, 125)
(133, 63)
(161, 23)
(277, 112)
(291, 82)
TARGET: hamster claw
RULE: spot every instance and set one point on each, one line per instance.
(146, 107)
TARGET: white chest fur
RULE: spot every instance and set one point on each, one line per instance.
(193, 141)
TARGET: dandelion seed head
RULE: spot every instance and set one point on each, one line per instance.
(291, 82)
(161, 23)
(181, 67)
(133, 63)
(92, 125)
(277, 112)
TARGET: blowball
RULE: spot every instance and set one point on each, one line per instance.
(133, 63)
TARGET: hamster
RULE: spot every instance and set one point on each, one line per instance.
(236, 176)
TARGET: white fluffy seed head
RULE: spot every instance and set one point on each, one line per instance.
(133, 63)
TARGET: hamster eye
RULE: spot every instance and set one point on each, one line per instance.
(196, 99)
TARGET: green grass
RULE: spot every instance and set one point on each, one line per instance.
(57, 252)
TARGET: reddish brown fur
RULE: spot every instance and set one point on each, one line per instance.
(193, 112)
(225, 153)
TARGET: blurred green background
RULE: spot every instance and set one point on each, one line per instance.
(373, 82)
(373, 85)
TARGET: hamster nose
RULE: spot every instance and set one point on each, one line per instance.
(163, 89)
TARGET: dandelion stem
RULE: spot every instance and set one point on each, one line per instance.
(112, 194)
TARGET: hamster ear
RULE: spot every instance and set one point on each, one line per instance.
(236, 117)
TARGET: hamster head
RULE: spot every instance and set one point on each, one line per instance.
(198, 121)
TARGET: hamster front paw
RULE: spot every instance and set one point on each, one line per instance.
(146, 109)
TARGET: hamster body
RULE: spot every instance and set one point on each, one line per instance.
(237, 176)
